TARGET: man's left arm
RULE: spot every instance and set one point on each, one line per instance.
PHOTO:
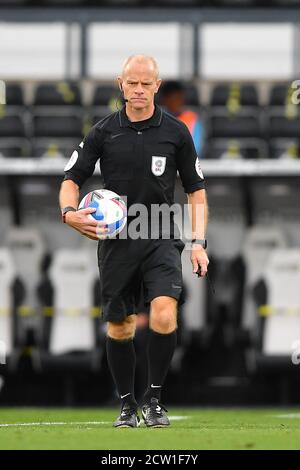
(198, 208)
(188, 165)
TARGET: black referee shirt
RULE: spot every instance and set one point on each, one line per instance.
(139, 160)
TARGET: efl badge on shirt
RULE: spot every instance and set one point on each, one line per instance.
(158, 165)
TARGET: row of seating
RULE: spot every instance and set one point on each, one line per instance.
(60, 307)
(232, 95)
(243, 136)
(214, 148)
(267, 124)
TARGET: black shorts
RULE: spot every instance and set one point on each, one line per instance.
(127, 267)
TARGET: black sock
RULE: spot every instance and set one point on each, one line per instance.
(121, 361)
(160, 352)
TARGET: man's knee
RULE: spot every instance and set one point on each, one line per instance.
(163, 316)
(122, 330)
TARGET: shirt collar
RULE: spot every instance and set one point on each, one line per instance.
(155, 120)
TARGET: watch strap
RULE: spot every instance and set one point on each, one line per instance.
(65, 210)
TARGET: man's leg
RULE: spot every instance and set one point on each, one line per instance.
(121, 357)
(121, 360)
(162, 343)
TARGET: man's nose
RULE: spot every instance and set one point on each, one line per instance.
(139, 89)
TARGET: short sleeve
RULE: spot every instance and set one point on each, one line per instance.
(188, 164)
(82, 163)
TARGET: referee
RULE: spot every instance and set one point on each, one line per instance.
(140, 149)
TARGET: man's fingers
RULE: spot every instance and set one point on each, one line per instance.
(92, 238)
(88, 210)
(203, 270)
(195, 264)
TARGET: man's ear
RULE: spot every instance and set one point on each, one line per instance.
(158, 83)
(120, 81)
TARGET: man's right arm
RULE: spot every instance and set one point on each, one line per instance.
(79, 220)
(80, 167)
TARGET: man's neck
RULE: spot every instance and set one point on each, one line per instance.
(135, 115)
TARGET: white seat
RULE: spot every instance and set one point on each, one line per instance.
(27, 250)
(7, 274)
(282, 325)
(72, 277)
(259, 243)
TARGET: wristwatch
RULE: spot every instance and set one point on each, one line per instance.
(202, 242)
(64, 212)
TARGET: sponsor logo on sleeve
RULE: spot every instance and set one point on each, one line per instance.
(72, 161)
(198, 168)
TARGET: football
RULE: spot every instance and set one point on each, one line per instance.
(110, 208)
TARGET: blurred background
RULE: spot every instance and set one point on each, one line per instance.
(229, 69)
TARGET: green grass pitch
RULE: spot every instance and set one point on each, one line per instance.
(191, 428)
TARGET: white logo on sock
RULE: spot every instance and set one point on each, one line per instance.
(123, 396)
(155, 386)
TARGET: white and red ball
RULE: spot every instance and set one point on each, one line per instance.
(110, 208)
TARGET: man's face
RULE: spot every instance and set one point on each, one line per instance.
(139, 83)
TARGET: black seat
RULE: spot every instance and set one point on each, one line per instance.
(284, 148)
(15, 148)
(12, 126)
(57, 126)
(236, 149)
(58, 94)
(238, 125)
(14, 95)
(281, 95)
(55, 147)
(106, 95)
(191, 95)
(242, 95)
(282, 125)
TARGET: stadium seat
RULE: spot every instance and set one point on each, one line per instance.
(233, 96)
(236, 149)
(14, 148)
(278, 300)
(226, 231)
(69, 334)
(67, 126)
(6, 211)
(285, 148)
(281, 124)
(11, 126)
(14, 95)
(192, 97)
(58, 94)
(28, 251)
(38, 207)
(260, 242)
(106, 95)
(240, 125)
(281, 95)
(54, 148)
(7, 276)
(72, 279)
(275, 203)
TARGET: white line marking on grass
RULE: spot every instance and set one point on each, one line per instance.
(73, 423)
(289, 416)
(67, 423)
(178, 418)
